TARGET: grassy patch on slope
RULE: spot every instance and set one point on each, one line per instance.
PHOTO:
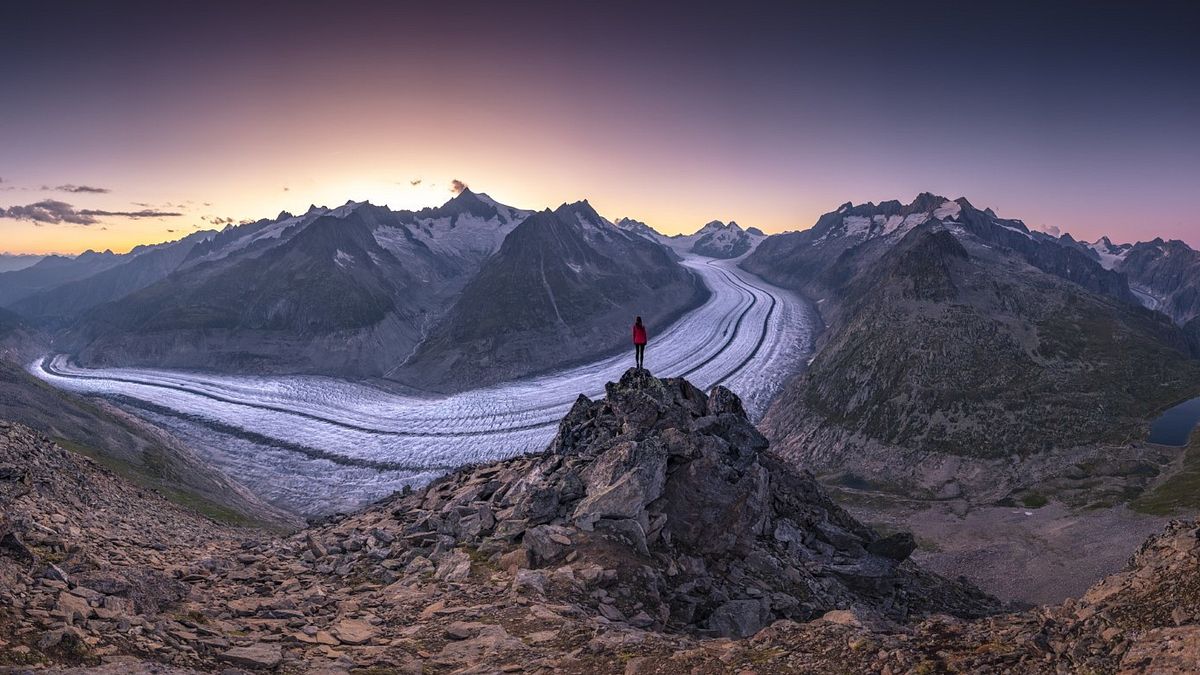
(1179, 492)
(145, 478)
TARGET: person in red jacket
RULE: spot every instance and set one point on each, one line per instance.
(639, 341)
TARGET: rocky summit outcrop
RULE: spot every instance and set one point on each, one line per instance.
(703, 528)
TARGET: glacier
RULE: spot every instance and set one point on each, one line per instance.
(319, 445)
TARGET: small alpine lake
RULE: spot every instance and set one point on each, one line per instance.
(1174, 426)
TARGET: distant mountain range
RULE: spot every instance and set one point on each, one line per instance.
(954, 332)
(475, 291)
(715, 239)
(10, 262)
(470, 292)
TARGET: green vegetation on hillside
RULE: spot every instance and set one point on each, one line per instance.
(150, 475)
(122, 445)
(1180, 491)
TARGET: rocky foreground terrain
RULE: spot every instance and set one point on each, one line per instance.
(656, 534)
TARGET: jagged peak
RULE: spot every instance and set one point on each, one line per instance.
(927, 201)
(581, 209)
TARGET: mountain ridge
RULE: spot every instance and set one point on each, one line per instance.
(947, 349)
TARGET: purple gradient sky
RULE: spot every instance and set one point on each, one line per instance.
(1081, 116)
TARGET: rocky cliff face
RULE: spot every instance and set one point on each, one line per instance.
(657, 518)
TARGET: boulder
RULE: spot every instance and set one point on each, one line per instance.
(896, 546)
(258, 656)
(354, 631)
(739, 618)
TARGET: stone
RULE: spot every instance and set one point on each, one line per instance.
(258, 656)
(72, 608)
(898, 546)
(55, 573)
(354, 631)
(738, 618)
(463, 630)
(544, 545)
(529, 582)
(316, 547)
(611, 613)
(454, 567)
(622, 482)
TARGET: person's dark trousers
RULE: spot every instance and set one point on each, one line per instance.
(640, 352)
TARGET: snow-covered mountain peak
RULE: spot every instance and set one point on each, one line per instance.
(583, 212)
(346, 209)
(1109, 254)
(639, 228)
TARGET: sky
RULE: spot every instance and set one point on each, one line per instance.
(137, 122)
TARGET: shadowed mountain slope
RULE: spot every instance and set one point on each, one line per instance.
(946, 341)
(564, 286)
(344, 291)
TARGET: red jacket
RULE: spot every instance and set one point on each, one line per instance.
(639, 334)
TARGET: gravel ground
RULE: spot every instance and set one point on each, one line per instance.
(1039, 556)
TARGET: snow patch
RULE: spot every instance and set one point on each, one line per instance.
(856, 226)
(947, 211)
(1110, 256)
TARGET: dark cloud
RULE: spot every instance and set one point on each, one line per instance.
(171, 231)
(287, 189)
(55, 212)
(415, 183)
(457, 186)
(48, 211)
(82, 188)
(144, 213)
(217, 220)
